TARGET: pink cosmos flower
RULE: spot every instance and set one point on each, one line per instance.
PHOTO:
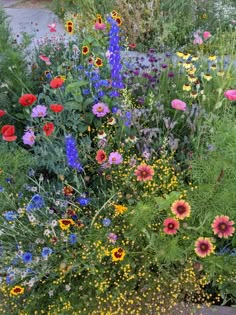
(100, 109)
(206, 35)
(222, 226)
(198, 40)
(144, 172)
(171, 226)
(45, 59)
(39, 111)
(29, 138)
(230, 95)
(178, 104)
(115, 158)
(99, 26)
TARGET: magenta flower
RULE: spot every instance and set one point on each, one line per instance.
(29, 138)
(39, 111)
(198, 40)
(100, 109)
(230, 95)
(206, 35)
(115, 158)
(178, 104)
(99, 26)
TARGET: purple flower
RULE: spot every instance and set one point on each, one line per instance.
(106, 222)
(29, 138)
(39, 111)
(100, 109)
(112, 237)
(115, 158)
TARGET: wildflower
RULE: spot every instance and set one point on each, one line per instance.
(17, 290)
(8, 133)
(99, 26)
(37, 202)
(118, 20)
(52, 27)
(10, 215)
(192, 78)
(70, 27)
(207, 76)
(48, 128)
(83, 201)
(213, 67)
(178, 104)
(100, 109)
(171, 226)
(186, 87)
(193, 94)
(204, 247)
(179, 54)
(98, 62)
(206, 35)
(106, 222)
(212, 58)
(2, 113)
(56, 108)
(111, 121)
(65, 223)
(101, 156)
(85, 50)
(198, 40)
(117, 254)
(1, 189)
(56, 83)
(29, 138)
(185, 55)
(46, 251)
(112, 238)
(27, 99)
(39, 111)
(223, 227)
(132, 45)
(72, 239)
(45, 59)
(220, 73)
(27, 257)
(181, 209)
(144, 172)
(72, 153)
(230, 95)
(68, 191)
(119, 209)
(115, 158)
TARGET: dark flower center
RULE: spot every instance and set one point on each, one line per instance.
(171, 226)
(119, 253)
(181, 209)
(204, 247)
(144, 173)
(17, 290)
(222, 226)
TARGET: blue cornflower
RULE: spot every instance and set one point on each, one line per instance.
(106, 222)
(73, 239)
(83, 201)
(27, 257)
(10, 215)
(10, 278)
(46, 251)
(1, 188)
(101, 94)
(72, 153)
(37, 202)
(31, 172)
(86, 91)
(8, 180)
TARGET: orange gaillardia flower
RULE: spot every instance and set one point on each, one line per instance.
(204, 247)
(70, 27)
(65, 223)
(98, 62)
(223, 227)
(85, 50)
(17, 290)
(68, 190)
(101, 156)
(171, 226)
(144, 172)
(117, 254)
(181, 209)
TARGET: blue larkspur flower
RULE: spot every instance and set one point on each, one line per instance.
(10, 215)
(72, 238)
(37, 202)
(106, 222)
(72, 153)
(46, 251)
(27, 257)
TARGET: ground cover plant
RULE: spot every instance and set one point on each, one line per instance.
(123, 203)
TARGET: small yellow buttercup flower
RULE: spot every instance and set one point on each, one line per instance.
(120, 209)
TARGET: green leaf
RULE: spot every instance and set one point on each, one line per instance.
(20, 116)
(73, 105)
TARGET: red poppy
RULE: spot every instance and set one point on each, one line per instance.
(2, 112)
(56, 108)
(56, 83)
(8, 133)
(48, 128)
(27, 99)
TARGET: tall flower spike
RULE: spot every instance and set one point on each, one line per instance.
(72, 153)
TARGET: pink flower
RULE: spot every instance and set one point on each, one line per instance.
(222, 226)
(100, 109)
(206, 35)
(39, 111)
(171, 226)
(144, 172)
(115, 158)
(45, 59)
(230, 95)
(178, 104)
(99, 26)
(52, 27)
(29, 138)
(198, 40)
(204, 247)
